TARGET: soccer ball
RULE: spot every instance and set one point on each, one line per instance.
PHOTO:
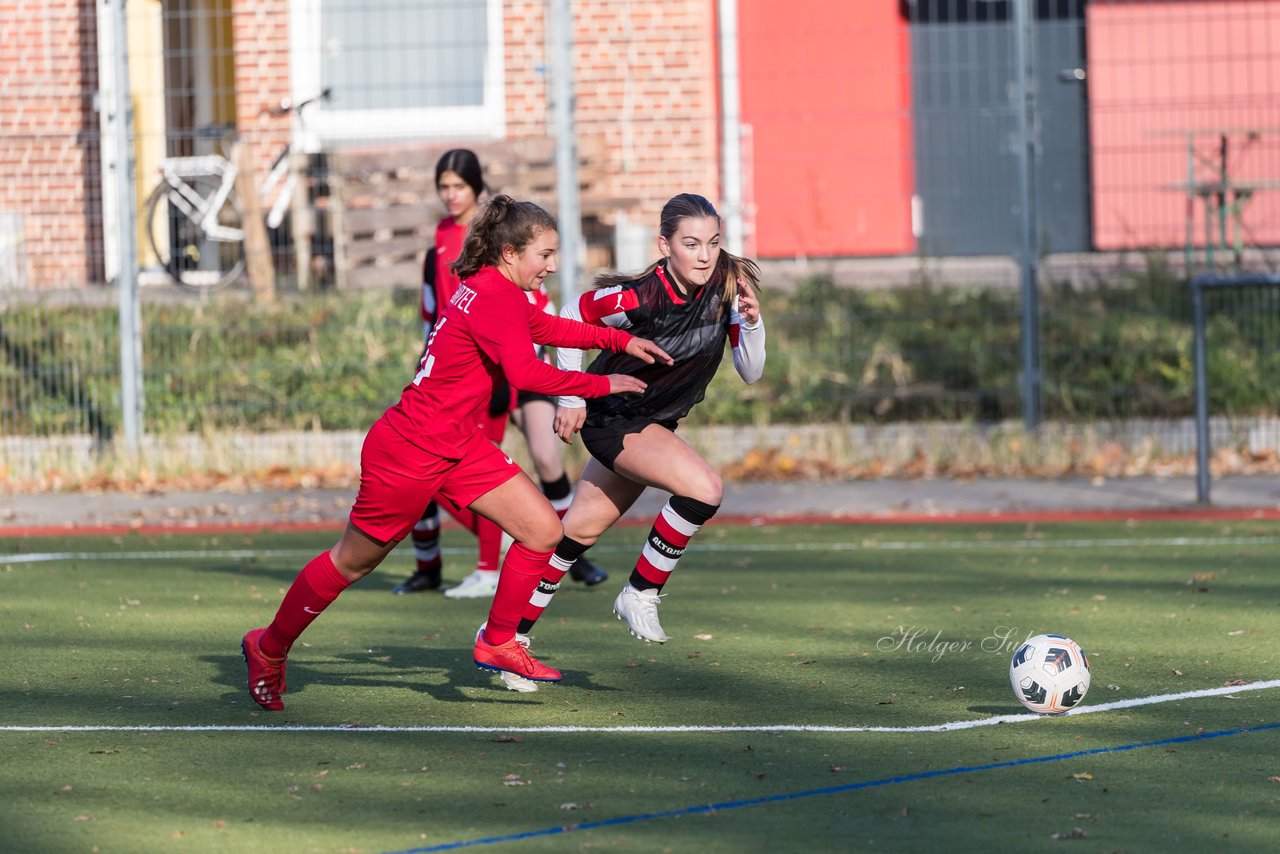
(1049, 674)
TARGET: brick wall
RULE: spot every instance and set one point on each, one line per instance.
(645, 90)
(646, 84)
(528, 108)
(49, 153)
(260, 35)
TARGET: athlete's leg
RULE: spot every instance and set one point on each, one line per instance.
(396, 482)
(481, 583)
(519, 509)
(428, 567)
(536, 419)
(601, 499)
(658, 457)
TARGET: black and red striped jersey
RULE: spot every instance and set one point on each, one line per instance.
(692, 330)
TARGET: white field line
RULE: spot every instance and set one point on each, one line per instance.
(1228, 691)
(869, 545)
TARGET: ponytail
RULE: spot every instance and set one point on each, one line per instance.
(501, 222)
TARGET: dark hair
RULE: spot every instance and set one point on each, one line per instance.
(689, 206)
(463, 163)
(501, 222)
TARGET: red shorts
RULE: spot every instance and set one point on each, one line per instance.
(398, 479)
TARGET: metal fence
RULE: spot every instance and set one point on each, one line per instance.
(969, 210)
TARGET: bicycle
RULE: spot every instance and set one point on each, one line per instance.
(194, 219)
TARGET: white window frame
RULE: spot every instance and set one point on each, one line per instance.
(326, 125)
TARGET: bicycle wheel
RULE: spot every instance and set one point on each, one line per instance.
(190, 255)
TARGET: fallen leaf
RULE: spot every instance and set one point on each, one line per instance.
(1082, 776)
(1076, 833)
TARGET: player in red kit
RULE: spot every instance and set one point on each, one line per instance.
(460, 185)
(427, 444)
(692, 302)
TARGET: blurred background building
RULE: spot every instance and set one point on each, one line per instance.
(866, 129)
(1036, 182)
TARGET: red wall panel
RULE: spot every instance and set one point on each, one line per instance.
(826, 102)
(1165, 73)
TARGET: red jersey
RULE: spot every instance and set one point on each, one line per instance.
(438, 289)
(488, 329)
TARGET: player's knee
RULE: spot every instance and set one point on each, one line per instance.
(544, 536)
(707, 487)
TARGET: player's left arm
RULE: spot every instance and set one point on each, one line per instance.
(746, 333)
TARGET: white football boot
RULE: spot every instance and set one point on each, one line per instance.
(639, 610)
(477, 585)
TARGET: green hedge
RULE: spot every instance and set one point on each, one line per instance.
(1115, 349)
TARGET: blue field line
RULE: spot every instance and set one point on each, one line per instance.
(829, 790)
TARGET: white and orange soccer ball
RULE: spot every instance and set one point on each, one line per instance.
(1049, 674)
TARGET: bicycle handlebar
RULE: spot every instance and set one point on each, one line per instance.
(287, 105)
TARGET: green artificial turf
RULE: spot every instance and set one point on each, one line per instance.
(832, 626)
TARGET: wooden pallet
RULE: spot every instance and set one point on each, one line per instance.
(385, 207)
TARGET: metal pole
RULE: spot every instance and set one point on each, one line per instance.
(121, 117)
(560, 47)
(730, 129)
(1202, 393)
(1024, 74)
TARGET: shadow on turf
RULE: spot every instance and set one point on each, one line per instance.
(442, 674)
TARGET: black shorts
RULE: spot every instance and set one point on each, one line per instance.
(523, 397)
(605, 443)
(500, 402)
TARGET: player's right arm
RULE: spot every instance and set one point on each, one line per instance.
(501, 329)
(601, 307)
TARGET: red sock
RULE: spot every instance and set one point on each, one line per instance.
(521, 572)
(312, 591)
(490, 538)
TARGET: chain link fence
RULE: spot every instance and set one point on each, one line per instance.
(898, 172)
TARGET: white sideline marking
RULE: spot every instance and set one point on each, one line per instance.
(867, 545)
(947, 727)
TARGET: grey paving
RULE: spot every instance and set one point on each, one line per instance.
(856, 497)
